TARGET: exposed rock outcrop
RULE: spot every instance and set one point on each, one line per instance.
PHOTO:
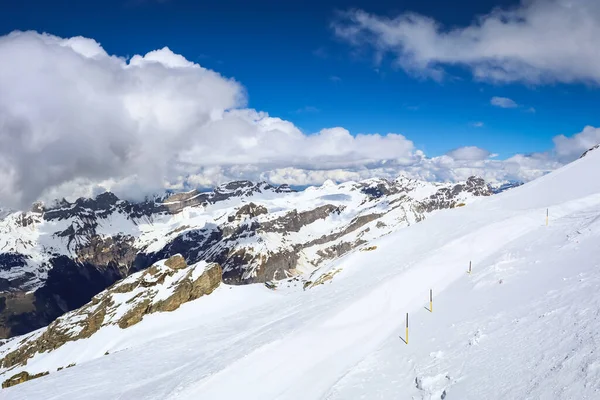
(163, 287)
(20, 378)
(449, 197)
(590, 150)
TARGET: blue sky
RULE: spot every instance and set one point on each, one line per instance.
(294, 67)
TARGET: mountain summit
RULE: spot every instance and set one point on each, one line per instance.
(333, 332)
(55, 259)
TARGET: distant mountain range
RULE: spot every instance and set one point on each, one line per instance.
(55, 259)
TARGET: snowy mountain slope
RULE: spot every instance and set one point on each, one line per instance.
(524, 325)
(256, 232)
(163, 287)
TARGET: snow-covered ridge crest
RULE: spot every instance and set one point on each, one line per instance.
(339, 340)
(596, 147)
(255, 231)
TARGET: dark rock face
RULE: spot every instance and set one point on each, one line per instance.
(447, 197)
(12, 260)
(69, 286)
(83, 208)
(269, 266)
(380, 189)
(475, 185)
(77, 283)
(294, 221)
(249, 210)
(14, 306)
(109, 252)
(9, 261)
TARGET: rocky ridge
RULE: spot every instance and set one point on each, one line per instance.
(163, 287)
(590, 150)
(54, 259)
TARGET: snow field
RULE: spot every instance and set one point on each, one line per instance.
(524, 325)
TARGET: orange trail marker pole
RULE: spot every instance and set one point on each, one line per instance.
(406, 328)
(430, 300)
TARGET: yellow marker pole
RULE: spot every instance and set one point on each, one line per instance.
(430, 300)
(406, 328)
(547, 215)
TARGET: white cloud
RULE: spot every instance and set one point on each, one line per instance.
(443, 168)
(165, 57)
(75, 120)
(503, 102)
(538, 41)
(568, 149)
(69, 112)
(478, 124)
(471, 153)
(244, 137)
(73, 115)
(84, 46)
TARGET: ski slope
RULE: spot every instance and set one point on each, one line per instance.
(524, 325)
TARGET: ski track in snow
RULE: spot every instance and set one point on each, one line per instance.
(524, 325)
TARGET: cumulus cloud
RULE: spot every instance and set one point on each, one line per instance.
(75, 121)
(538, 41)
(471, 153)
(443, 168)
(569, 148)
(245, 137)
(69, 111)
(72, 115)
(503, 102)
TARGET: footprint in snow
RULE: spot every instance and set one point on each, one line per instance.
(434, 386)
(477, 336)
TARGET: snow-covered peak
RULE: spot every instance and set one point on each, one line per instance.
(338, 331)
(255, 231)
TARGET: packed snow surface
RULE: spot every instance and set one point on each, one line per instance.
(524, 325)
